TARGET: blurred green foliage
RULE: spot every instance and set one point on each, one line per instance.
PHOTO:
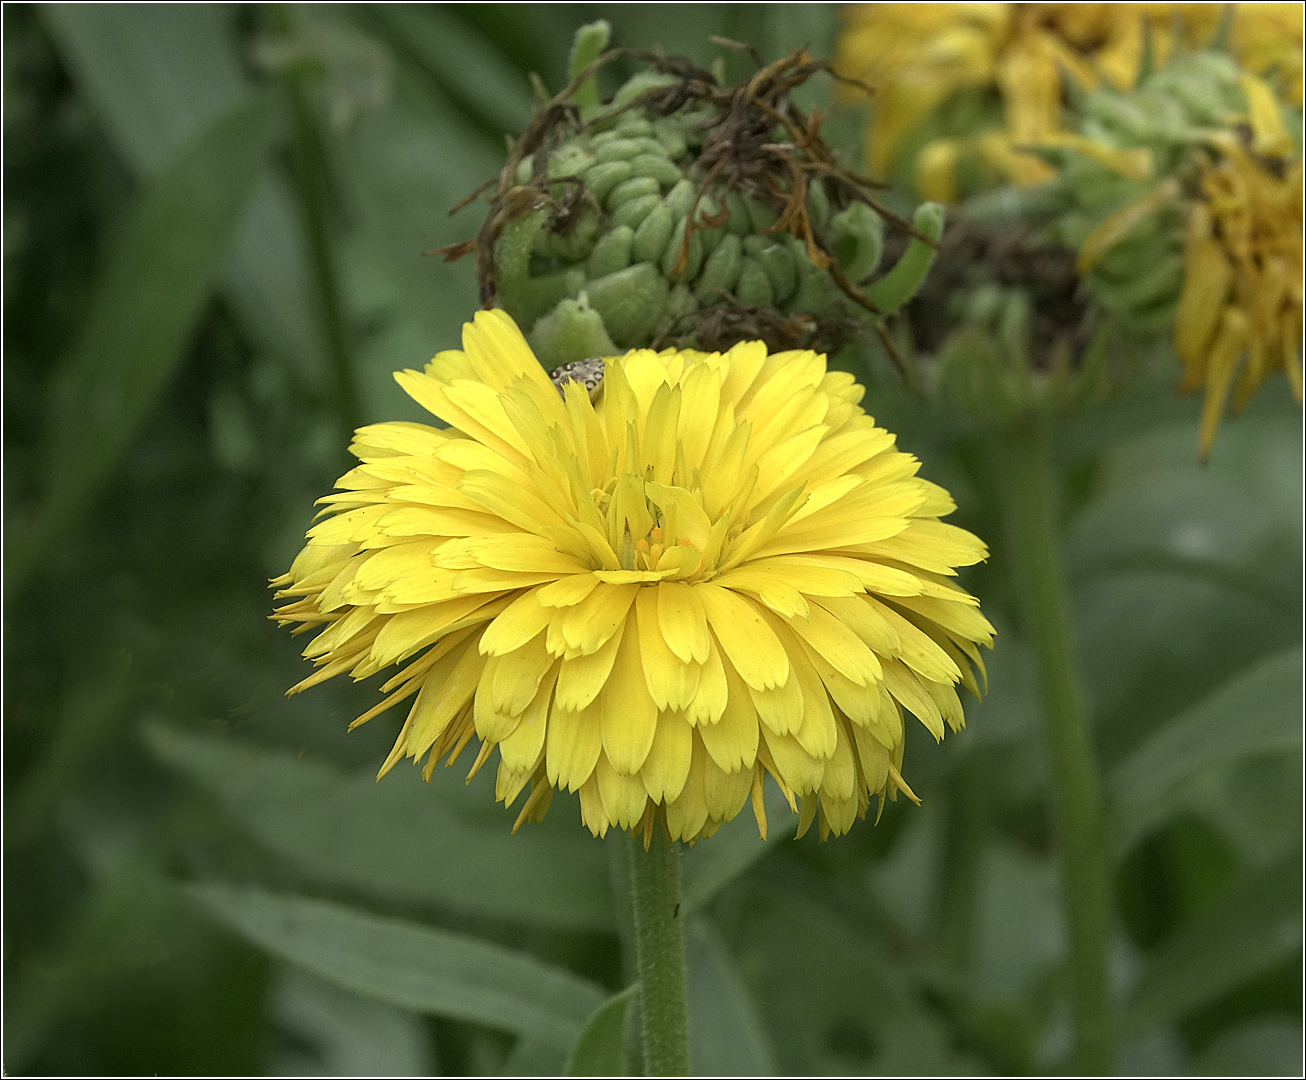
(214, 218)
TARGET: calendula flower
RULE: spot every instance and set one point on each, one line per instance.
(1242, 294)
(718, 569)
(917, 56)
(1238, 316)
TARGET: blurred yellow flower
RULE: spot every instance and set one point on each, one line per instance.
(1242, 286)
(916, 56)
(718, 570)
(1242, 292)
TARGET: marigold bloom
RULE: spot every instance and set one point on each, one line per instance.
(1242, 292)
(720, 569)
(915, 56)
(1238, 316)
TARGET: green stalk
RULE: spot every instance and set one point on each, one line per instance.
(660, 954)
(1027, 475)
(959, 880)
(308, 161)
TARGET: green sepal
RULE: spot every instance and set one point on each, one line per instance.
(571, 331)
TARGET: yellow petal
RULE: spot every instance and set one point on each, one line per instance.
(515, 625)
(573, 742)
(517, 676)
(687, 812)
(671, 682)
(629, 714)
(732, 740)
(724, 793)
(1228, 346)
(683, 621)
(520, 751)
(590, 623)
(624, 798)
(582, 677)
(745, 636)
(447, 689)
(667, 766)
(845, 651)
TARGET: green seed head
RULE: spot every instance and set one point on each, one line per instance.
(683, 212)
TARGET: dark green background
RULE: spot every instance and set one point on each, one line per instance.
(213, 224)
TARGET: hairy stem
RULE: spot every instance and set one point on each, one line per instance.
(660, 954)
(1027, 473)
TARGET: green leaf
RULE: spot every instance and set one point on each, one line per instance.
(396, 839)
(1254, 925)
(726, 1033)
(157, 277)
(411, 966)
(465, 63)
(1265, 1047)
(332, 1032)
(1255, 713)
(157, 80)
(600, 1049)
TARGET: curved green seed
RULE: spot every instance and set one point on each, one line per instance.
(606, 175)
(754, 287)
(900, 284)
(631, 302)
(857, 240)
(634, 188)
(672, 253)
(680, 302)
(611, 253)
(667, 132)
(816, 289)
(721, 270)
(818, 203)
(631, 126)
(634, 212)
(761, 216)
(681, 197)
(741, 222)
(637, 84)
(618, 150)
(656, 166)
(653, 233)
(573, 161)
(708, 207)
(778, 264)
(575, 244)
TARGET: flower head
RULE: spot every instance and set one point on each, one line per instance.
(918, 56)
(1235, 189)
(718, 569)
(1242, 291)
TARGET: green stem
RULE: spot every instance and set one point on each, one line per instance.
(308, 159)
(660, 954)
(959, 882)
(1029, 489)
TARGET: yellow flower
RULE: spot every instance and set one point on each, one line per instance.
(1242, 291)
(719, 570)
(915, 56)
